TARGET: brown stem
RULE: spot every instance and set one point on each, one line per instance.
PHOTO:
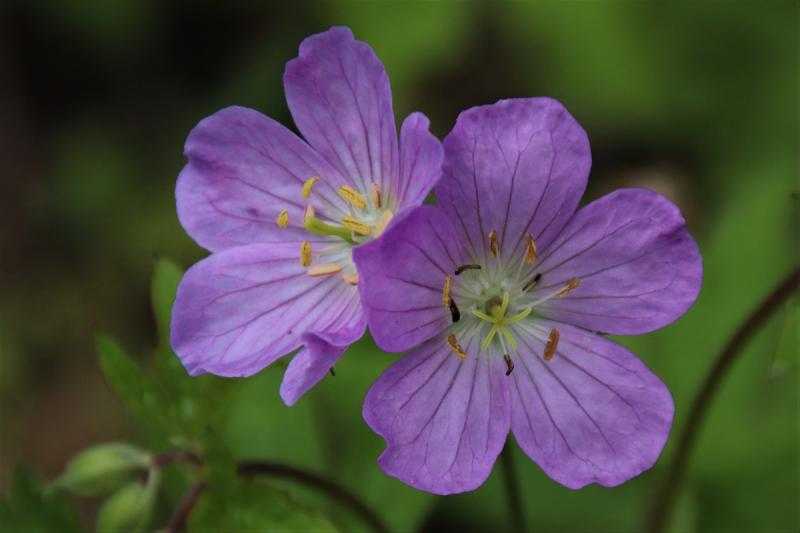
(178, 521)
(664, 497)
(333, 489)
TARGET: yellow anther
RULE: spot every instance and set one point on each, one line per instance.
(494, 247)
(325, 269)
(350, 278)
(283, 218)
(308, 185)
(456, 347)
(552, 344)
(383, 221)
(308, 213)
(446, 291)
(569, 287)
(375, 195)
(530, 249)
(305, 253)
(356, 225)
(352, 196)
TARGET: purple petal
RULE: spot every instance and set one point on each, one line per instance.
(514, 167)
(402, 276)
(444, 420)
(421, 156)
(339, 95)
(592, 414)
(315, 360)
(240, 309)
(243, 169)
(639, 269)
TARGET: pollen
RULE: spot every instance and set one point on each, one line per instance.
(305, 253)
(494, 247)
(356, 225)
(283, 218)
(325, 269)
(552, 344)
(530, 249)
(308, 185)
(446, 291)
(456, 347)
(352, 196)
(375, 195)
(351, 278)
(569, 287)
(383, 221)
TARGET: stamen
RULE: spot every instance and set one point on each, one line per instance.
(356, 225)
(454, 312)
(533, 282)
(382, 222)
(509, 364)
(308, 185)
(494, 247)
(530, 250)
(350, 278)
(375, 195)
(305, 253)
(569, 287)
(462, 268)
(283, 218)
(552, 344)
(352, 196)
(325, 269)
(308, 213)
(446, 291)
(456, 347)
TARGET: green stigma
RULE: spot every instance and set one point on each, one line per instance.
(497, 318)
(314, 225)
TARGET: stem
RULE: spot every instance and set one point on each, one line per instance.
(178, 521)
(333, 489)
(513, 493)
(664, 497)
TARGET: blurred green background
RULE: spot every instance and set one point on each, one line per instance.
(698, 101)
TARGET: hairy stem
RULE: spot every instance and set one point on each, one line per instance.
(513, 494)
(664, 497)
(315, 481)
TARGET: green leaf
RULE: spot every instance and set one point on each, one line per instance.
(29, 507)
(787, 350)
(134, 389)
(130, 508)
(166, 276)
(101, 469)
(251, 506)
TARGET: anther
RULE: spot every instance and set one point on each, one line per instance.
(375, 195)
(569, 287)
(350, 195)
(283, 218)
(308, 213)
(454, 312)
(309, 183)
(462, 268)
(305, 253)
(332, 371)
(356, 225)
(509, 364)
(446, 291)
(456, 347)
(325, 269)
(350, 278)
(383, 221)
(494, 247)
(533, 282)
(530, 250)
(552, 344)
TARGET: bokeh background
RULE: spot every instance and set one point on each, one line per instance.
(698, 101)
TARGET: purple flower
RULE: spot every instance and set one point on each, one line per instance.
(503, 294)
(282, 215)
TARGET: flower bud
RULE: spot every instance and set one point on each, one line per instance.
(130, 509)
(101, 469)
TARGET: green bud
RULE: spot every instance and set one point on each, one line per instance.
(101, 469)
(130, 509)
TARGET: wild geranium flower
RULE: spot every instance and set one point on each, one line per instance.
(509, 291)
(282, 215)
